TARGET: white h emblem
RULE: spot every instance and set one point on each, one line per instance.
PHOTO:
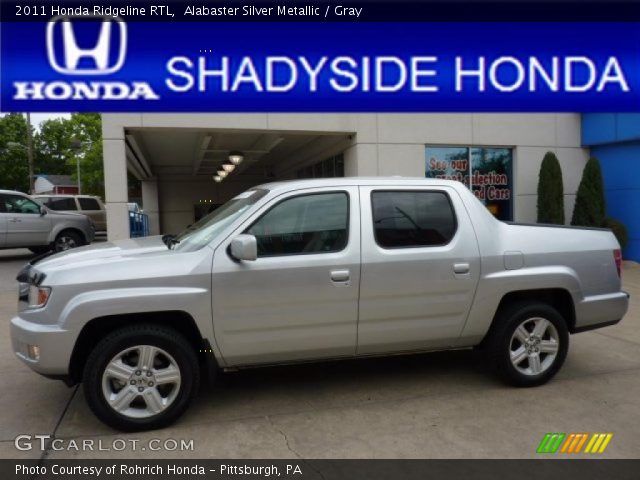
(73, 53)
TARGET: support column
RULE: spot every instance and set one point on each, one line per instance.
(150, 204)
(115, 186)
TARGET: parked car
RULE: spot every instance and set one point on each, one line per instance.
(88, 205)
(26, 223)
(312, 270)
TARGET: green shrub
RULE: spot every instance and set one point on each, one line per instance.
(619, 230)
(550, 191)
(590, 207)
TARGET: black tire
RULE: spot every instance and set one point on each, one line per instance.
(40, 250)
(501, 341)
(164, 338)
(68, 239)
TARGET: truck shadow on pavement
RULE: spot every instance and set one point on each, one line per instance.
(311, 386)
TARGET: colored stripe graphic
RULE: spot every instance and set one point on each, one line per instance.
(551, 442)
(598, 443)
(573, 443)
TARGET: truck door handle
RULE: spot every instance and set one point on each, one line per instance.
(15, 220)
(340, 275)
(460, 268)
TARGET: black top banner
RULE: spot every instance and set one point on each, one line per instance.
(326, 10)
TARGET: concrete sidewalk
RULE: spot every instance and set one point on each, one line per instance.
(441, 405)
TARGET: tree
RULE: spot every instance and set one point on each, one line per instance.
(590, 207)
(54, 152)
(14, 168)
(550, 191)
(86, 129)
(619, 230)
(52, 147)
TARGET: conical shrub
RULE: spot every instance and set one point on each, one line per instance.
(590, 207)
(550, 191)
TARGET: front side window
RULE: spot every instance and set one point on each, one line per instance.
(412, 218)
(314, 223)
(18, 204)
(61, 203)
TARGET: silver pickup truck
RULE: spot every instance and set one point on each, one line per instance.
(312, 270)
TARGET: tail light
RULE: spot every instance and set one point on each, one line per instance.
(617, 255)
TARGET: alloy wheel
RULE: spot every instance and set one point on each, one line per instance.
(534, 346)
(141, 381)
(65, 242)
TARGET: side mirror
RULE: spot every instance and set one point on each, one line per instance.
(244, 247)
(43, 211)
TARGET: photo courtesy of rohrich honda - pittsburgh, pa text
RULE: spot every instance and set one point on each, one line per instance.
(320, 239)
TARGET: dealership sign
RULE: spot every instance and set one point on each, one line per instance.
(95, 63)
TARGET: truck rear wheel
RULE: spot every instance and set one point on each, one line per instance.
(141, 377)
(529, 344)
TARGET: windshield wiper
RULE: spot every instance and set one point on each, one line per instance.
(170, 241)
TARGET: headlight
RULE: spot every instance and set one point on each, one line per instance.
(38, 296)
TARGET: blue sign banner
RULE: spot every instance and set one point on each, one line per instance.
(106, 64)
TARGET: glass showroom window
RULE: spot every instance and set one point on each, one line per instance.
(487, 171)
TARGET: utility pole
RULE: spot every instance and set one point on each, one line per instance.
(76, 146)
(78, 168)
(30, 153)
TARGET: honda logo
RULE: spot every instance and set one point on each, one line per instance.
(69, 63)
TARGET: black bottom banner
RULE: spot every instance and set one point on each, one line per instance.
(543, 469)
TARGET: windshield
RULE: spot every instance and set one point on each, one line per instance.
(207, 228)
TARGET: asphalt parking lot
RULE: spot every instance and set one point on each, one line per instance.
(441, 405)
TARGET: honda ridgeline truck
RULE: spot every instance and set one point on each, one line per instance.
(312, 270)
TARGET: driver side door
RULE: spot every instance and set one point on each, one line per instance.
(299, 299)
(25, 226)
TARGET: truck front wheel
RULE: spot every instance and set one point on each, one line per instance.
(141, 377)
(529, 343)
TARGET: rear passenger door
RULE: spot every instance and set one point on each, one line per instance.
(420, 268)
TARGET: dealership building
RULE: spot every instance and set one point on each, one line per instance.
(177, 156)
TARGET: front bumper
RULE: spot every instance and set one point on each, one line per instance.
(55, 346)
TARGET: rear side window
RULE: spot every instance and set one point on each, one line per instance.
(404, 219)
(315, 223)
(61, 203)
(88, 204)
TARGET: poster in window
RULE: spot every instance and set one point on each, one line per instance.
(487, 171)
(491, 180)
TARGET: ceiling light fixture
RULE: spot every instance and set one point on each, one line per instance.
(236, 157)
(228, 167)
(217, 178)
(222, 173)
